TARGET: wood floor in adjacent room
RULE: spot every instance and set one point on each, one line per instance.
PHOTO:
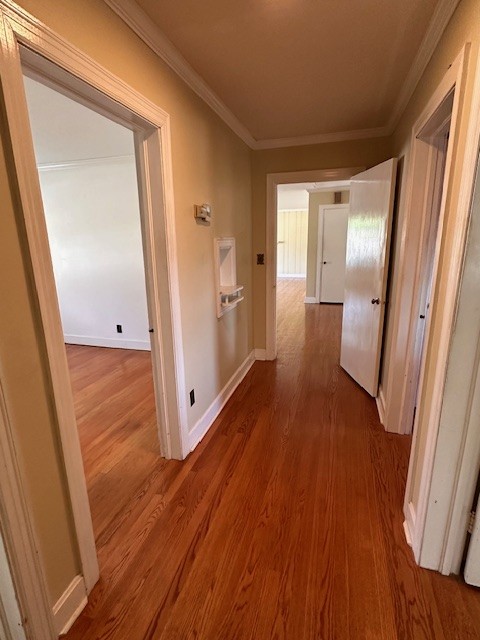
(286, 521)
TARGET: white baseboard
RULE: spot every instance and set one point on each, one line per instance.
(409, 525)
(70, 605)
(380, 400)
(115, 343)
(260, 354)
(310, 300)
(198, 432)
(407, 533)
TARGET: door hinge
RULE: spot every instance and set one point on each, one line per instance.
(471, 522)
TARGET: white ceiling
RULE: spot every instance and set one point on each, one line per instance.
(64, 130)
(291, 69)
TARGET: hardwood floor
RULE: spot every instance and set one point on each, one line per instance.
(286, 521)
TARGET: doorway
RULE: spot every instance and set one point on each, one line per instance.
(311, 246)
(318, 182)
(104, 94)
(292, 240)
(89, 185)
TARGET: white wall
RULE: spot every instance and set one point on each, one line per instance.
(292, 233)
(293, 197)
(93, 222)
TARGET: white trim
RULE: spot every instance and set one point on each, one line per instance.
(111, 343)
(322, 138)
(427, 550)
(75, 74)
(273, 180)
(440, 19)
(465, 473)
(148, 31)
(409, 524)
(85, 162)
(408, 264)
(380, 400)
(153, 36)
(310, 300)
(200, 429)
(19, 537)
(260, 354)
(70, 605)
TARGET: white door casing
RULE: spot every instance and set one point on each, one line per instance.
(372, 196)
(332, 248)
(80, 77)
(273, 180)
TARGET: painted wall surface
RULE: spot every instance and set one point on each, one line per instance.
(357, 153)
(210, 164)
(292, 243)
(93, 222)
(315, 200)
(463, 28)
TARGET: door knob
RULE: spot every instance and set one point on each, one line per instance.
(375, 300)
(326, 262)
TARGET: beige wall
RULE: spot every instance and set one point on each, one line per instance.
(463, 28)
(210, 164)
(357, 153)
(314, 201)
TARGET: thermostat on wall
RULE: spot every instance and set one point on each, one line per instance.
(203, 213)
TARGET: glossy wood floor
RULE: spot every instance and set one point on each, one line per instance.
(286, 522)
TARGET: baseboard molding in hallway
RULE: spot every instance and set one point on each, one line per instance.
(201, 428)
(70, 605)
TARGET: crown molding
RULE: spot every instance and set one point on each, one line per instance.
(132, 14)
(322, 138)
(440, 19)
(84, 162)
(148, 31)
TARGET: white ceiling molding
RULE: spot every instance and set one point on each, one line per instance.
(153, 36)
(440, 19)
(148, 31)
(84, 162)
(322, 138)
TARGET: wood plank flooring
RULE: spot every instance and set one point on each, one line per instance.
(286, 521)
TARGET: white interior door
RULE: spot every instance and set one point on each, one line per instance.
(368, 244)
(334, 246)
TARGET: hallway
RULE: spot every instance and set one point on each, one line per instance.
(286, 521)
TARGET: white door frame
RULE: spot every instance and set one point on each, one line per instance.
(321, 213)
(273, 180)
(109, 95)
(421, 157)
(455, 459)
(430, 537)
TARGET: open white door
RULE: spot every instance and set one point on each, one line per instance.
(372, 196)
(334, 225)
